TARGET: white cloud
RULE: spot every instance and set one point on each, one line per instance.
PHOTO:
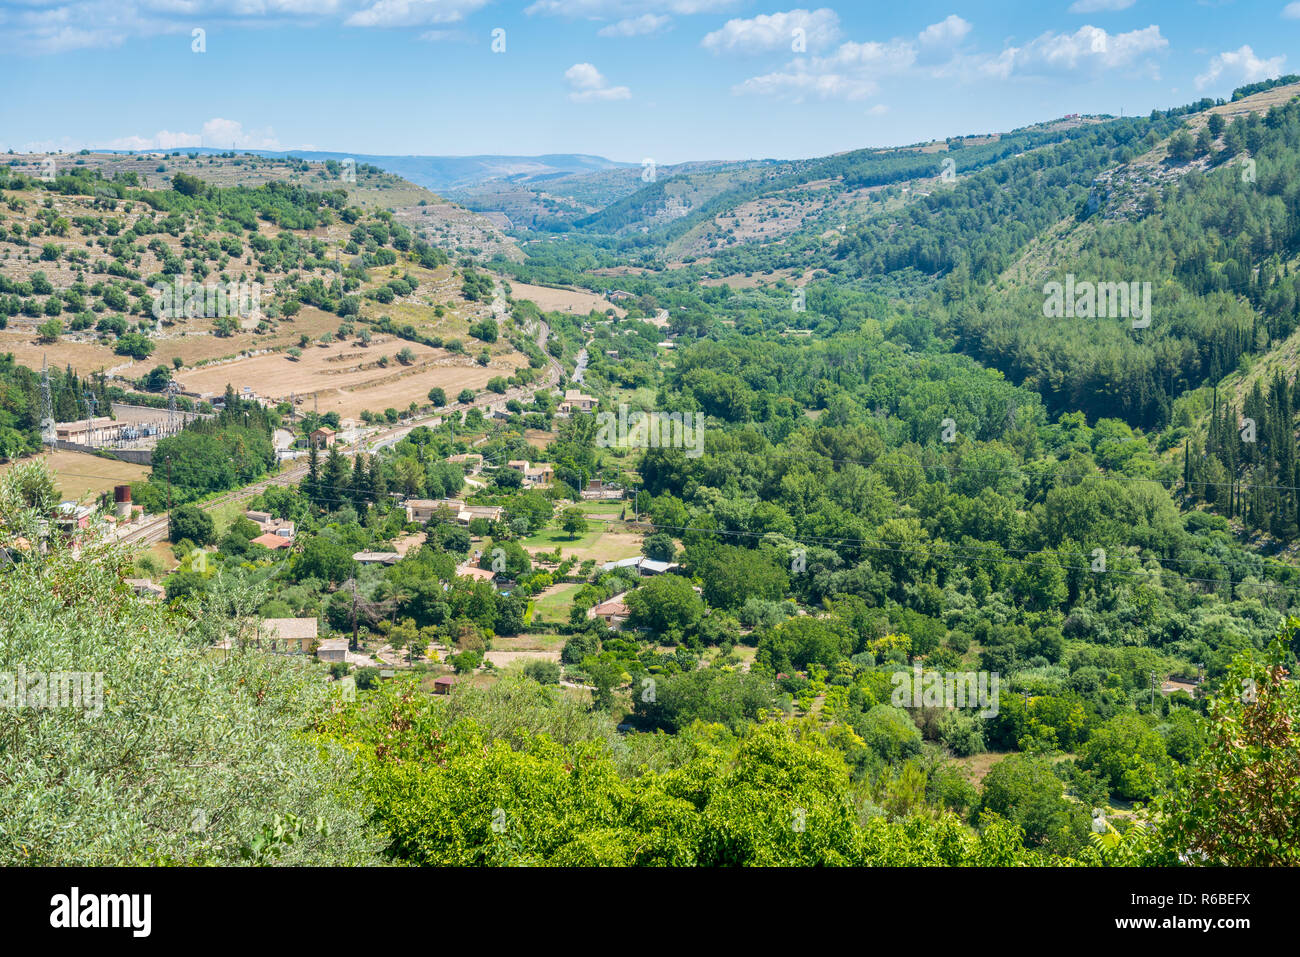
(408, 13)
(61, 28)
(872, 57)
(641, 26)
(799, 84)
(775, 31)
(58, 26)
(216, 132)
(852, 71)
(1241, 66)
(1291, 11)
(1100, 6)
(589, 85)
(622, 9)
(446, 36)
(951, 29)
(1088, 48)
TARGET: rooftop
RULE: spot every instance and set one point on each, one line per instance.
(294, 629)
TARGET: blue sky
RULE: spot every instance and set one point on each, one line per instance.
(626, 79)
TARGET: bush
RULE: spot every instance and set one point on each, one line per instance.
(889, 732)
(543, 672)
(191, 522)
(134, 344)
(579, 647)
(161, 681)
(466, 662)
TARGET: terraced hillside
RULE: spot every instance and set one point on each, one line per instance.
(352, 302)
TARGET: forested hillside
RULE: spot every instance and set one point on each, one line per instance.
(893, 468)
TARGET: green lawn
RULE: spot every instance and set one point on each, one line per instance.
(555, 607)
(548, 538)
(224, 515)
(603, 509)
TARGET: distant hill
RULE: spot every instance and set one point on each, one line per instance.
(445, 173)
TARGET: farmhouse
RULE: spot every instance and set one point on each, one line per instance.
(643, 565)
(271, 525)
(333, 649)
(420, 510)
(535, 476)
(271, 541)
(146, 588)
(539, 476)
(324, 437)
(614, 611)
(288, 635)
(575, 401)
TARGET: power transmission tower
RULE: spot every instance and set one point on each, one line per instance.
(91, 405)
(47, 405)
(171, 407)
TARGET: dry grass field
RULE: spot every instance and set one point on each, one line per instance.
(194, 341)
(81, 475)
(346, 378)
(550, 299)
(537, 438)
(339, 376)
(758, 279)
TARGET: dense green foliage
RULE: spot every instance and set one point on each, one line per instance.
(189, 754)
(905, 471)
